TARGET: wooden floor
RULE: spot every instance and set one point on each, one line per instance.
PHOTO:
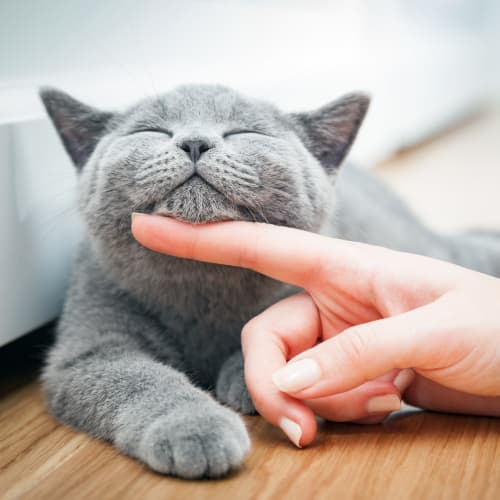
(415, 454)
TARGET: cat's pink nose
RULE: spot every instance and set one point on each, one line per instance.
(195, 149)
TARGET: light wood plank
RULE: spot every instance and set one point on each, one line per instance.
(414, 455)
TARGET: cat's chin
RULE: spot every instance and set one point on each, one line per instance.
(198, 202)
(194, 218)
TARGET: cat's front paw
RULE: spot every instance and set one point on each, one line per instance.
(231, 388)
(196, 442)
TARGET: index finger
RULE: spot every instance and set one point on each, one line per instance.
(282, 253)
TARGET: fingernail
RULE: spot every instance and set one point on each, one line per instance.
(383, 404)
(136, 214)
(292, 430)
(297, 375)
(403, 379)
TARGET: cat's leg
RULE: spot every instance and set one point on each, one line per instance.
(149, 410)
(231, 388)
(101, 378)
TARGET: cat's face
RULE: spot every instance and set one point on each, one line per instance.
(205, 153)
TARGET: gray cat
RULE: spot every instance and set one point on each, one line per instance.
(146, 341)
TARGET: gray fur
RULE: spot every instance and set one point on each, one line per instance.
(145, 338)
(230, 388)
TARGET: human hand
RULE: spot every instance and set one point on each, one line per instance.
(374, 312)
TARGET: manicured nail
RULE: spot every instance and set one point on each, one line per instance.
(297, 375)
(136, 214)
(403, 379)
(383, 404)
(292, 430)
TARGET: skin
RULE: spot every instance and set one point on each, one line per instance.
(376, 322)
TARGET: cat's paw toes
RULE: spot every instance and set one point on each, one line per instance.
(231, 388)
(196, 442)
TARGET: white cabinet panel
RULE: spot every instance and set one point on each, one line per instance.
(39, 226)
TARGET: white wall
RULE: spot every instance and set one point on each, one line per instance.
(423, 62)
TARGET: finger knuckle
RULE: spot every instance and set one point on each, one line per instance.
(247, 331)
(252, 331)
(320, 273)
(247, 258)
(194, 245)
(249, 254)
(353, 346)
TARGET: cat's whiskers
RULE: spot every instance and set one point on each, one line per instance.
(260, 212)
(280, 192)
(52, 222)
(252, 213)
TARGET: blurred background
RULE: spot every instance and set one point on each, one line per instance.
(431, 66)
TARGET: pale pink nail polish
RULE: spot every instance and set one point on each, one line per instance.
(297, 375)
(292, 430)
(403, 379)
(383, 404)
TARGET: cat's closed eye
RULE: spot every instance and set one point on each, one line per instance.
(242, 131)
(152, 131)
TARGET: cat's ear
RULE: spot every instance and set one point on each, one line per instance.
(329, 131)
(79, 126)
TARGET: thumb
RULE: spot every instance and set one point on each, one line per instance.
(288, 327)
(362, 353)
